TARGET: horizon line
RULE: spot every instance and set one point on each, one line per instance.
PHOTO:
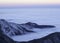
(32, 6)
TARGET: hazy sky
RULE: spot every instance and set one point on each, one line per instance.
(28, 2)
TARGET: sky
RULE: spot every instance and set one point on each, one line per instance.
(28, 2)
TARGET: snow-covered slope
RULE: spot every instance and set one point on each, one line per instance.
(11, 29)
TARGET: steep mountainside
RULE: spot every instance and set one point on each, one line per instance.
(9, 29)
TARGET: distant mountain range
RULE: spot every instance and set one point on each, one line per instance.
(9, 29)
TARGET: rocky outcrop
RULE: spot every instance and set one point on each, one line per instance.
(52, 38)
